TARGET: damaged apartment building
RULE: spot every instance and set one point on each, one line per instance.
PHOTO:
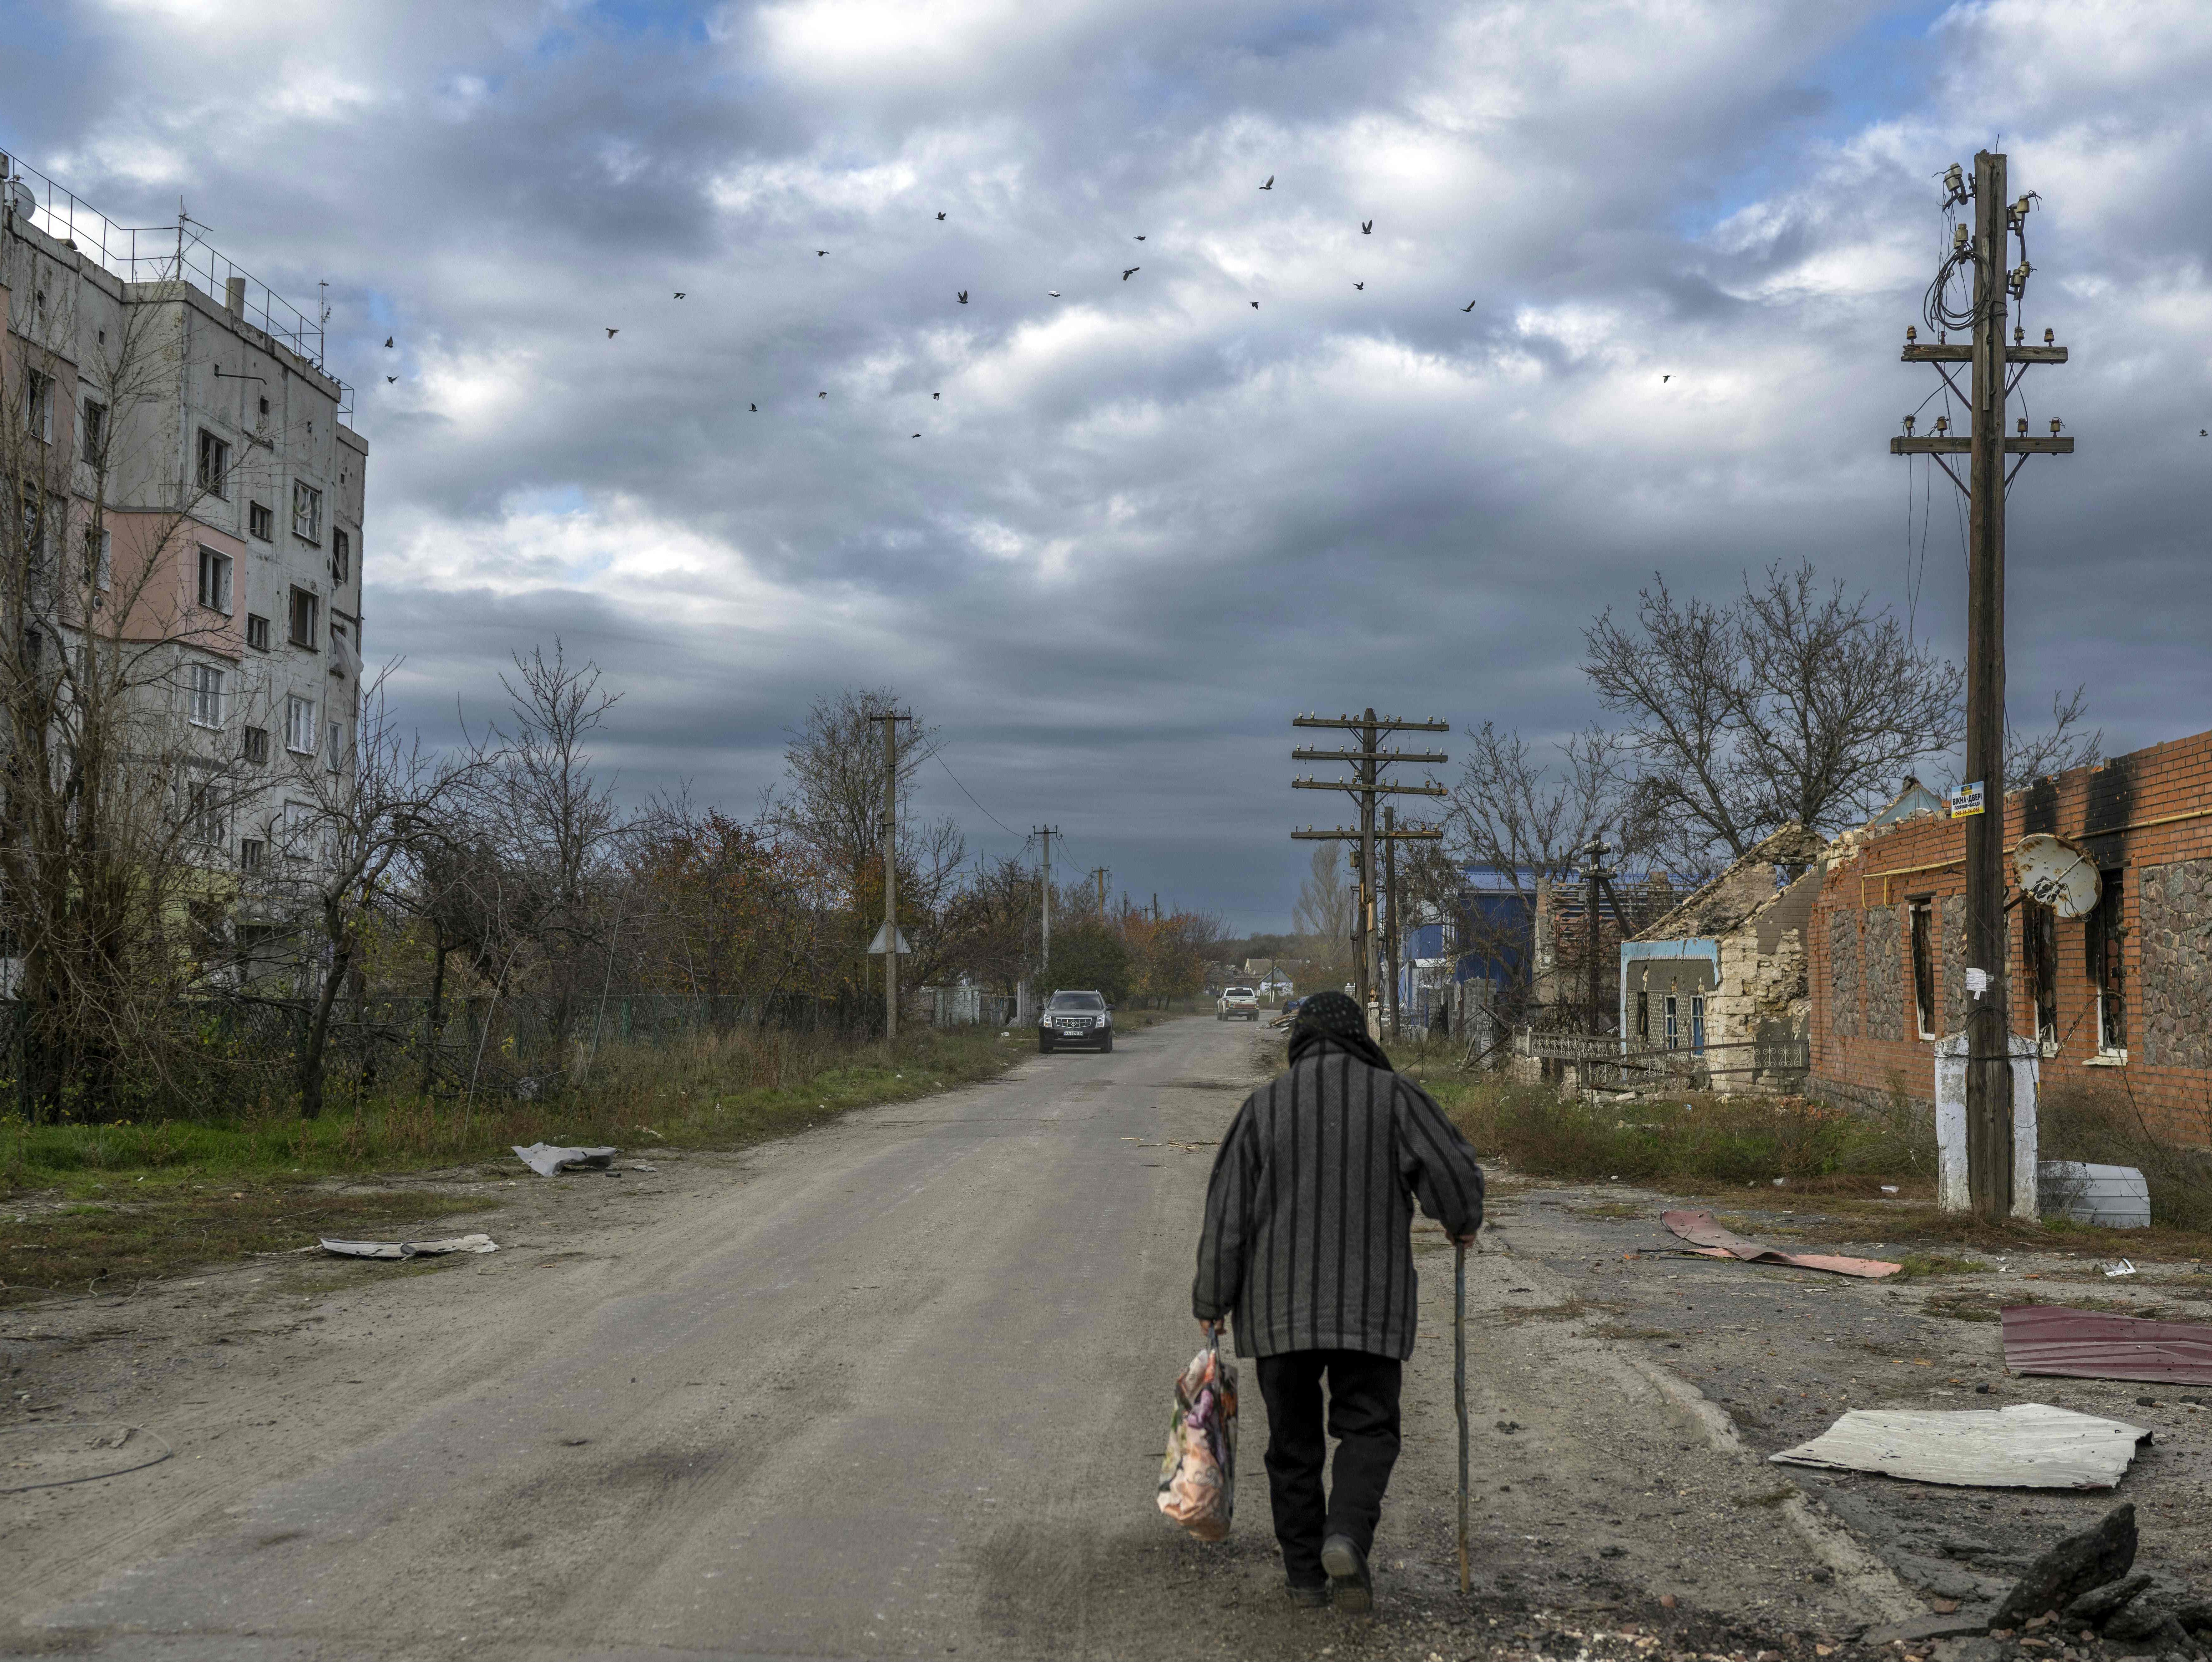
(192, 490)
(2117, 998)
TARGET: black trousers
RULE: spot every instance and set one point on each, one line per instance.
(1362, 1415)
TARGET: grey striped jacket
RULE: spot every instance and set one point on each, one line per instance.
(1309, 1212)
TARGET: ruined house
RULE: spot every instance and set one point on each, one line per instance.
(1721, 981)
(2118, 1000)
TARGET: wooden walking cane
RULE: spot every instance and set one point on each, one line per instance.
(1459, 1393)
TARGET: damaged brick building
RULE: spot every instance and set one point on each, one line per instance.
(2121, 996)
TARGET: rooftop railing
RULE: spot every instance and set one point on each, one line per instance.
(164, 253)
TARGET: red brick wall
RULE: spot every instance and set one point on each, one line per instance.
(1864, 1034)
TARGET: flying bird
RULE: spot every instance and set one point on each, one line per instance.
(1663, 380)
(1255, 305)
(1469, 306)
(820, 395)
(1359, 285)
(388, 380)
(1131, 273)
(679, 294)
(818, 252)
(387, 343)
(941, 216)
(1270, 185)
(1367, 227)
(755, 408)
(964, 296)
(611, 333)
(1138, 239)
(1054, 293)
(2204, 432)
(936, 395)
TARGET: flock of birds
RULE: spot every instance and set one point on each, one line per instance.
(960, 297)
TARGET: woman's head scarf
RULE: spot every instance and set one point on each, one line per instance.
(1331, 1019)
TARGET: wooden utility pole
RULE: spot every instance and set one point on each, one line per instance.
(888, 940)
(1044, 834)
(1593, 937)
(1100, 874)
(1982, 255)
(1367, 784)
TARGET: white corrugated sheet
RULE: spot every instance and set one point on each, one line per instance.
(2027, 1445)
(2114, 1197)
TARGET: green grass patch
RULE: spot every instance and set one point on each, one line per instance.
(713, 1090)
(1935, 1263)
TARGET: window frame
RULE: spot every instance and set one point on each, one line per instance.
(314, 614)
(260, 521)
(39, 406)
(224, 570)
(251, 850)
(93, 434)
(1670, 1015)
(253, 745)
(1697, 1022)
(257, 631)
(206, 692)
(215, 481)
(300, 712)
(341, 554)
(99, 558)
(2039, 948)
(309, 497)
(2106, 951)
(1920, 937)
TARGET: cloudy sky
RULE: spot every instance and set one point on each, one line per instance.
(1146, 523)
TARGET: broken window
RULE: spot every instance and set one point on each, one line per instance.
(1924, 966)
(257, 631)
(1697, 1022)
(2108, 974)
(207, 696)
(300, 725)
(306, 511)
(38, 406)
(94, 432)
(249, 854)
(260, 521)
(1674, 1041)
(1642, 1016)
(215, 465)
(2040, 944)
(341, 555)
(306, 610)
(257, 744)
(100, 557)
(215, 579)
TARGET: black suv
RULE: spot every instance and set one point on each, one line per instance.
(1075, 1018)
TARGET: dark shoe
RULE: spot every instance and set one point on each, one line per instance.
(1312, 1598)
(1347, 1571)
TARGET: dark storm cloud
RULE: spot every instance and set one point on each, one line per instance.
(1146, 523)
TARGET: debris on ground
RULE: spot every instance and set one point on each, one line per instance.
(2100, 1555)
(2107, 1196)
(547, 1158)
(2089, 1344)
(2025, 1445)
(74, 1451)
(1709, 1240)
(411, 1249)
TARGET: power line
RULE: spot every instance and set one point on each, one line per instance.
(970, 795)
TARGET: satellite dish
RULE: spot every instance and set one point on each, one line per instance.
(2055, 874)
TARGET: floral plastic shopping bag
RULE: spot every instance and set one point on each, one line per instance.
(1198, 1479)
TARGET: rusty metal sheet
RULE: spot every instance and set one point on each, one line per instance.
(2087, 1344)
(1709, 1240)
(2026, 1446)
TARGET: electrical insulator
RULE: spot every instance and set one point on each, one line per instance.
(2049, 338)
(2023, 427)
(1908, 427)
(2055, 425)
(1911, 334)
(1958, 234)
(1954, 181)
(2018, 280)
(2019, 334)
(1943, 424)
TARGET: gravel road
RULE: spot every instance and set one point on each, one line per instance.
(895, 1387)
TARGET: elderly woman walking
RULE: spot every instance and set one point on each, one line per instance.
(1307, 1245)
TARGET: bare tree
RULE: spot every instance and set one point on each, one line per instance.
(1325, 910)
(1792, 703)
(2054, 749)
(339, 845)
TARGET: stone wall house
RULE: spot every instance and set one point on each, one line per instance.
(1722, 981)
(2121, 997)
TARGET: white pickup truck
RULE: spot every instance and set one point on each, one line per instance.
(1238, 1002)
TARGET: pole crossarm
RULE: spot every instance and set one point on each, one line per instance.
(1380, 724)
(1949, 445)
(1359, 789)
(1402, 834)
(1949, 354)
(1369, 756)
